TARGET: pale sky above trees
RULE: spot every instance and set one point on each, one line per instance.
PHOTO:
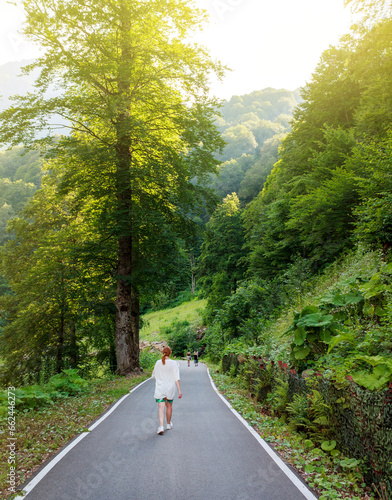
(266, 44)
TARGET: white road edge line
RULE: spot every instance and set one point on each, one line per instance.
(26, 490)
(279, 462)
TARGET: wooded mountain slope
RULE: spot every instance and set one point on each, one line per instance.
(252, 126)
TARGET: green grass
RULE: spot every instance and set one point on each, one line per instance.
(154, 321)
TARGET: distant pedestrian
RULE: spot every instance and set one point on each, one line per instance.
(189, 357)
(196, 357)
(167, 376)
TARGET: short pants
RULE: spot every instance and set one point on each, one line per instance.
(164, 400)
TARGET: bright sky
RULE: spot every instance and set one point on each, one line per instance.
(267, 43)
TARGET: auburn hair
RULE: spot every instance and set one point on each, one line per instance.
(166, 351)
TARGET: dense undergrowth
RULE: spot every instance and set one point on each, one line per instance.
(338, 322)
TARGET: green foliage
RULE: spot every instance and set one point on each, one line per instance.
(332, 322)
(312, 329)
(308, 413)
(214, 339)
(64, 384)
(157, 322)
(249, 120)
(252, 126)
(148, 359)
(26, 398)
(18, 164)
(278, 398)
(331, 185)
(20, 177)
(373, 216)
(67, 382)
(251, 301)
(181, 337)
(379, 377)
(298, 411)
(221, 263)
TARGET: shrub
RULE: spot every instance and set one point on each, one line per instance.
(148, 359)
(68, 382)
(181, 337)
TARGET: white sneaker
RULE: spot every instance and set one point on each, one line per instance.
(169, 426)
(160, 430)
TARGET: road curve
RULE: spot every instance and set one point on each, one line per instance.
(208, 455)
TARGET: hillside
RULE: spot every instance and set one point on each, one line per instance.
(253, 126)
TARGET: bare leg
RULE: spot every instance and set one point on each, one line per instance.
(161, 413)
(169, 411)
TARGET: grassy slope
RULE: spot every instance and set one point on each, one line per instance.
(154, 321)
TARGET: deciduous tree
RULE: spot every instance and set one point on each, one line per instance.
(134, 93)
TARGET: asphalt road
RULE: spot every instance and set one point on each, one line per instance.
(208, 455)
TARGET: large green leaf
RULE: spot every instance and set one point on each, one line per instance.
(301, 352)
(328, 445)
(309, 310)
(345, 337)
(328, 297)
(374, 288)
(299, 336)
(316, 319)
(377, 380)
(339, 316)
(349, 463)
(353, 297)
(375, 360)
(325, 336)
(340, 299)
(379, 377)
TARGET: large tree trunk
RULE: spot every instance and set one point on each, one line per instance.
(126, 331)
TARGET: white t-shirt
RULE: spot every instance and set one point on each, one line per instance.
(166, 376)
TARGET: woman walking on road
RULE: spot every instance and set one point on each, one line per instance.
(167, 376)
(196, 357)
(189, 357)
